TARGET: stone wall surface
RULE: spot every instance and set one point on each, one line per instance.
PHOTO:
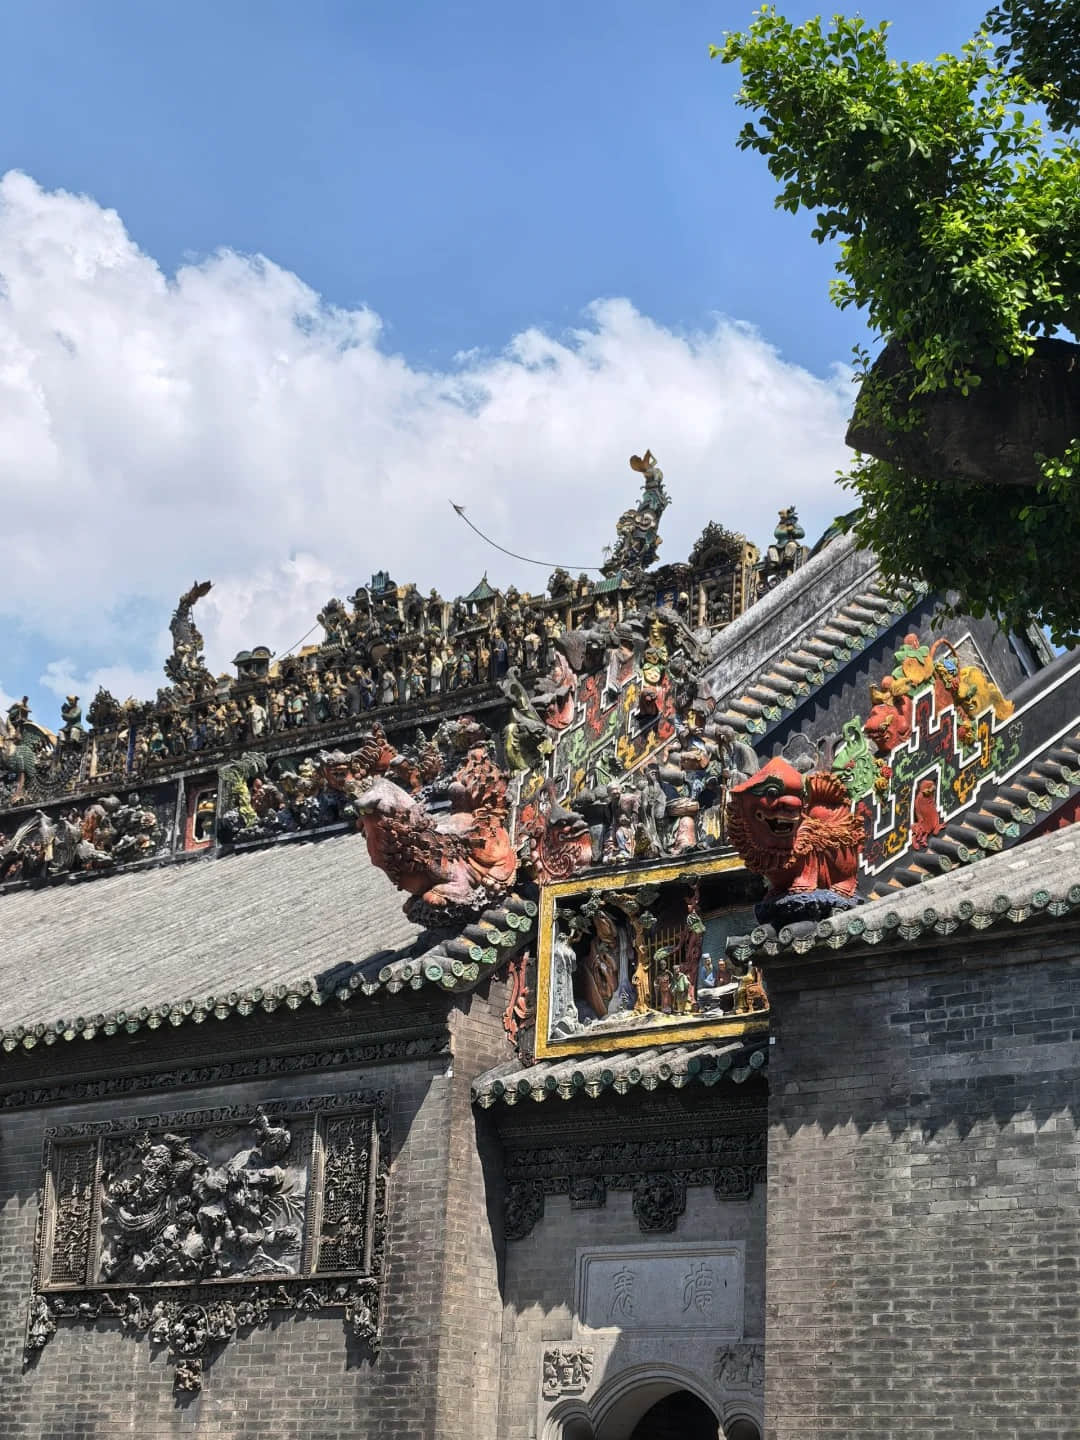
(924, 1192)
(471, 1320)
(539, 1294)
(301, 1375)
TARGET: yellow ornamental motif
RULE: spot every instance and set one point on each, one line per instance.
(534, 782)
(896, 841)
(625, 751)
(964, 784)
(980, 693)
(917, 670)
(985, 744)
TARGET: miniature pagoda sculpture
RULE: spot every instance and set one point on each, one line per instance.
(797, 832)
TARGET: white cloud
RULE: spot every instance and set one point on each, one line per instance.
(228, 424)
(63, 678)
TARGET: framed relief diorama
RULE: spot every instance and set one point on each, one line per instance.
(637, 959)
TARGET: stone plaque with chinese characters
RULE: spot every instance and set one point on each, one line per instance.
(656, 1289)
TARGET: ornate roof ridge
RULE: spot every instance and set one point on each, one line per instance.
(784, 681)
(1007, 815)
(389, 652)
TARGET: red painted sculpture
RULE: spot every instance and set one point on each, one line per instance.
(452, 864)
(797, 831)
(889, 722)
(926, 818)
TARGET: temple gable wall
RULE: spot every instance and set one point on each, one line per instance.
(923, 1244)
(300, 1374)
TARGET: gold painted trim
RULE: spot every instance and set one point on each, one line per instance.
(752, 1024)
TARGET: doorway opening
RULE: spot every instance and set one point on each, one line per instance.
(678, 1416)
(742, 1430)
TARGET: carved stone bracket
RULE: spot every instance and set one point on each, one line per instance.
(190, 1228)
(657, 1172)
(341, 1054)
(567, 1370)
(741, 1366)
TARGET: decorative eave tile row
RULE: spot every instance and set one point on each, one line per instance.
(1001, 820)
(456, 965)
(814, 658)
(829, 934)
(459, 963)
(705, 1063)
(1037, 881)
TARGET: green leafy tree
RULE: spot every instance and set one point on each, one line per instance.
(958, 223)
(1041, 42)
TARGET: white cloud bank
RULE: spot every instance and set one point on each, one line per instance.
(228, 424)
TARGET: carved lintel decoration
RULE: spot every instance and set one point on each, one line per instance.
(658, 1172)
(194, 1227)
(659, 1200)
(567, 1370)
(741, 1366)
(340, 1056)
(522, 1207)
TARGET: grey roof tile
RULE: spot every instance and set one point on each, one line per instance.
(290, 924)
(706, 1061)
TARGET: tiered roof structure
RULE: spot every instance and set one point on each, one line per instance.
(546, 848)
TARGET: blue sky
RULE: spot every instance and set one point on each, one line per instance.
(468, 173)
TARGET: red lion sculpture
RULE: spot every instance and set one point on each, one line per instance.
(454, 864)
(797, 831)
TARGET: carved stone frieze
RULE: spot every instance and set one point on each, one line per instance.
(192, 1227)
(657, 1171)
(567, 1370)
(522, 1207)
(371, 1051)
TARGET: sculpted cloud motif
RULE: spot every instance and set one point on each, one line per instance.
(228, 421)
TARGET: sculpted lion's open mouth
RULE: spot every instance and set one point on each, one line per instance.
(778, 824)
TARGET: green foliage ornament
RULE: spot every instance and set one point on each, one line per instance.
(958, 222)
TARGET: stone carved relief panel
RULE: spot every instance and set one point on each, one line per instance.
(193, 1226)
(567, 1370)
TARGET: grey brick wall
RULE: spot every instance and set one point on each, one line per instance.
(471, 1319)
(540, 1284)
(300, 1376)
(924, 1192)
